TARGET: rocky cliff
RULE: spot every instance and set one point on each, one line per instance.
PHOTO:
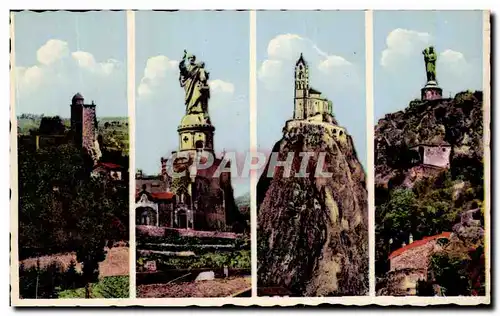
(312, 229)
(457, 122)
(423, 200)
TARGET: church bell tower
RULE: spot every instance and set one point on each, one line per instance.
(301, 88)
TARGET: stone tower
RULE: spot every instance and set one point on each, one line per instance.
(301, 88)
(84, 125)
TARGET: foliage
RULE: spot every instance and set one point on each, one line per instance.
(51, 126)
(60, 205)
(108, 287)
(429, 208)
(114, 132)
(450, 272)
(36, 282)
(63, 209)
(236, 259)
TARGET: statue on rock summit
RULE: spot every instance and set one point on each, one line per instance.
(430, 58)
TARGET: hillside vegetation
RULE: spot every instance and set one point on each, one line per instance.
(411, 198)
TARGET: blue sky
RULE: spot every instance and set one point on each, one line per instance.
(333, 43)
(61, 53)
(400, 37)
(221, 40)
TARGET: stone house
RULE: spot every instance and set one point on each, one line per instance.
(409, 263)
(435, 154)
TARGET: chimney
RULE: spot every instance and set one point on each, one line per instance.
(410, 239)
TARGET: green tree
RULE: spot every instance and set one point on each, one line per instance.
(62, 208)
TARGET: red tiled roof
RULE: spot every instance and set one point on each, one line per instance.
(162, 195)
(109, 165)
(418, 243)
(157, 195)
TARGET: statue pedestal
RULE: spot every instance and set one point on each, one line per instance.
(196, 133)
(431, 91)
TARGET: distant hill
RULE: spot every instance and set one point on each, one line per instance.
(243, 203)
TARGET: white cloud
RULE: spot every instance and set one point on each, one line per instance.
(283, 50)
(29, 77)
(332, 62)
(452, 58)
(52, 51)
(403, 43)
(271, 73)
(47, 85)
(87, 61)
(161, 74)
(158, 66)
(218, 86)
(456, 73)
(285, 46)
(158, 69)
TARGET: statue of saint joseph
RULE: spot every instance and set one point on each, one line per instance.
(194, 79)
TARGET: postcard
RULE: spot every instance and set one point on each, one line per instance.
(250, 158)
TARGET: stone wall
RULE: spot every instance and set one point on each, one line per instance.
(336, 132)
(88, 128)
(317, 105)
(402, 282)
(153, 231)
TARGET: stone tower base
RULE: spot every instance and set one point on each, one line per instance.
(431, 91)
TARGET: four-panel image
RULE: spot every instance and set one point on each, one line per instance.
(266, 157)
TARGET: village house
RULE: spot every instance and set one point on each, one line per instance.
(434, 154)
(411, 261)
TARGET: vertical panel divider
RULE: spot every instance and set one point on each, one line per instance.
(14, 188)
(486, 146)
(131, 114)
(253, 146)
(370, 146)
